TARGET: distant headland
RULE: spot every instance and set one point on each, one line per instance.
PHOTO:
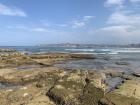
(89, 45)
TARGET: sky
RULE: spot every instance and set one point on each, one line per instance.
(33, 22)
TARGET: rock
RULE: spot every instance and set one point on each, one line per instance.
(67, 92)
(30, 76)
(7, 50)
(25, 94)
(113, 73)
(50, 55)
(136, 74)
(122, 63)
(91, 95)
(15, 59)
(130, 88)
(49, 81)
(41, 100)
(82, 56)
(127, 94)
(77, 88)
(117, 99)
(127, 77)
(18, 96)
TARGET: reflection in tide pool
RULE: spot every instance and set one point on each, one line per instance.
(121, 62)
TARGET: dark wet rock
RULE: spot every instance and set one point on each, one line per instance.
(83, 56)
(104, 57)
(122, 63)
(136, 74)
(114, 74)
(127, 77)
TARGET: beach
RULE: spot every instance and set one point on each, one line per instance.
(69, 76)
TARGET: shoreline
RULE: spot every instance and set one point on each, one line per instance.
(40, 83)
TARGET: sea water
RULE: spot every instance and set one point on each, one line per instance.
(124, 59)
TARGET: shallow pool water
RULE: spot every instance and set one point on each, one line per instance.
(7, 86)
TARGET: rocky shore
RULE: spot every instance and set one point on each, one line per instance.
(33, 80)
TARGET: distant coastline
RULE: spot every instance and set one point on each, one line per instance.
(90, 45)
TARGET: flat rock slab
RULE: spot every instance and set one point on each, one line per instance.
(130, 88)
(118, 99)
(126, 94)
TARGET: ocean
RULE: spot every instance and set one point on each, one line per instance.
(114, 58)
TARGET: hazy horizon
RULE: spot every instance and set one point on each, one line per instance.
(34, 22)
(70, 43)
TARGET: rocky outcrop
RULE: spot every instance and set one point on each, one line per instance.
(118, 99)
(16, 59)
(50, 55)
(29, 76)
(82, 56)
(7, 50)
(78, 88)
(47, 85)
(126, 94)
(53, 87)
(63, 55)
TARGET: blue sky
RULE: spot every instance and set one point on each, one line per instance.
(32, 22)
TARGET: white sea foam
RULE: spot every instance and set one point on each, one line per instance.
(83, 50)
(105, 50)
(128, 51)
(113, 53)
(124, 50)
(85, 53)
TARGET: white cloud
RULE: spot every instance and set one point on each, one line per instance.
(114, 2)
(123, 24)
(124, 18)
(121, 28)
(11, 11)
(39, 29)
(87, 18)
(77, 24)
(82, 22)
(27, 28)
(61, 25)
(117, 34)
(74, 23)
(134, 1)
